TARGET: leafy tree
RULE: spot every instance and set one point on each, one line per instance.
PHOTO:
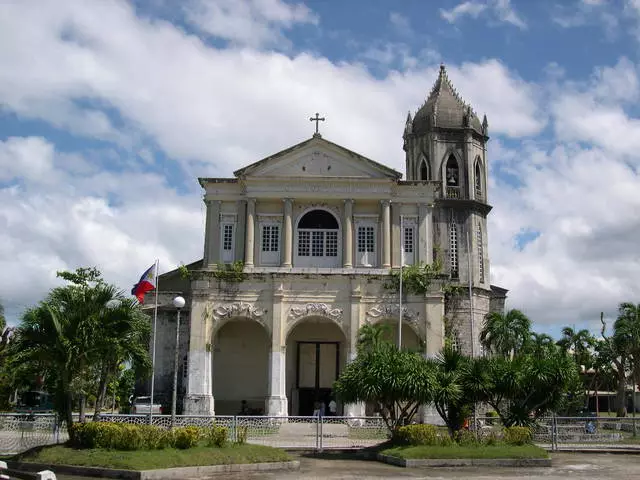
(505, 334)
(524, 388)
(373, 336)
(580, 343)
(395, 381)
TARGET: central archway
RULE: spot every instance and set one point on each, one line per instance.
(316, 354)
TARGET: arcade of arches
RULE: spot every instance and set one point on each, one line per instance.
(316, 352)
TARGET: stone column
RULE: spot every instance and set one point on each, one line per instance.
(212, 235)
(425, 254)
(199, 397)
(434, 315)
(354, 409)
(386, 234)
(248, 246)
(276, 402)
(348, 233)
(288, 233)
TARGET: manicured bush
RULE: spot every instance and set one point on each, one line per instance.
(517, 435)
(491, 439)
(119, 436)
(216, 436)
(466, 438)
(417, 435)
(186, 437)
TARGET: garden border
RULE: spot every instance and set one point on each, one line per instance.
(463, 462)
(177, 473)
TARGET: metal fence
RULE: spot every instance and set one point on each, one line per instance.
(19, 432)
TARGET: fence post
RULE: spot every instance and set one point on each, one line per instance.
(554, 433)
(317, 418)
(321, 418)
(234, 427)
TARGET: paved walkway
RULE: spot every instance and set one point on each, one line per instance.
(574, 466)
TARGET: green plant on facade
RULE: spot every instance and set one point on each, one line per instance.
(229, 272)
(184, 272)
(416, 279)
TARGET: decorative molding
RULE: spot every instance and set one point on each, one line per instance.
(315, 186)
(228, 217)
(310, 309)
(241, 309)
(390, 310)
(267, 218)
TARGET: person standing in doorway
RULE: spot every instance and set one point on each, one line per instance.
(333, 407)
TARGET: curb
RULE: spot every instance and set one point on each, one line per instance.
(464, 462)
(177, 473)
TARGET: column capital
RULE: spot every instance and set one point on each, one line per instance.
(287, 200)
(349, 200)
(385, 203)
(251, 200)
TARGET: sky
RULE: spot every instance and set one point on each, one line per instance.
(110, 110)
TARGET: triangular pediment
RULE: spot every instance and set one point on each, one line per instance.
(318, 158)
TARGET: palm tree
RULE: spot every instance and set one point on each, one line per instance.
(505, 334)
(626, 339)
(124, 332)
(5, 331)
(540, 344)
(580, 343)
(372, 336)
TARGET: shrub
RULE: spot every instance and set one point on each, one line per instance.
(186, 437)
(491, 417)
(118, 436)
(417, 435)
(241, 435)
(491, 439)
(517, 435)
(216, 436)
(466, 438)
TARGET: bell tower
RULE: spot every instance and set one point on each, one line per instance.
(445, 143)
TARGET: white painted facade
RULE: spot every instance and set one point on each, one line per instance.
(319, 229)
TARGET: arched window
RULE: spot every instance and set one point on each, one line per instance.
(424, 170)
(453, 247)
(452, 173)
(478, 180)
(452, 178)
(318, 240)
(480, 253)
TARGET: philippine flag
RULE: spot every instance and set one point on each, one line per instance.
(146, 283)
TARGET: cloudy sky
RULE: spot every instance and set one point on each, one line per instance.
(110, 109)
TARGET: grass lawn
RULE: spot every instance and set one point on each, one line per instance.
(153, 459)
(456, 451)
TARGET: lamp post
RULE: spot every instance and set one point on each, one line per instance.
(178, 302)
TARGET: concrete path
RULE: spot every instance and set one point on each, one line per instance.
(574, 466)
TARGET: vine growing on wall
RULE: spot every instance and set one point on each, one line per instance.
(230, 272)
(416, 279)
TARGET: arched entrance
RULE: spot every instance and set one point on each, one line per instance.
(240, 367)
(316, 353)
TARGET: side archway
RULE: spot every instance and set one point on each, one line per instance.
(241, 347)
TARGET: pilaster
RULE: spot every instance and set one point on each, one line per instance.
(276, 403)
(386, 233)
(424, 234)
(287, 261)
(251, 214)
(348, 233)
(434, 314)
(199, 397)
(212, 235)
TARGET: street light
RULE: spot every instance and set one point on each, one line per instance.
(178, 302)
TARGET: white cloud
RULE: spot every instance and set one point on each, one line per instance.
(500, 10)
(248, 22)
(400, 23)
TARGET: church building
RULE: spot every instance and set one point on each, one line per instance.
(299, 249)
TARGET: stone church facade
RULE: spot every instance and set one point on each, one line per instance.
(318, 229)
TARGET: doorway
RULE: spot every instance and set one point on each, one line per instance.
(317, 367)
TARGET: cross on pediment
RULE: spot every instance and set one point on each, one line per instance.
(317, 119)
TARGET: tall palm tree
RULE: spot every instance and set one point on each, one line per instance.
(505, 334)
(124, 332)
(5, 331)
(626, 340)
(540, 344)
(580, 343)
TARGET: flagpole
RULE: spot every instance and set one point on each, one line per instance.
(401, 265)
(153, 343)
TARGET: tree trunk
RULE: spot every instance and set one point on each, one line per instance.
(621, 400)
(83, 403)
(102, 392)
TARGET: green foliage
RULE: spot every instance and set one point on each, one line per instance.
(120, 436)
(373, 336)
(416, 279)
(396, 382)
(242, 433)
(505, 334)
(82, 277)
(417, 435)
(518, 435)
(186, 437)
(184, 272)
(466, 438)
(230, 272)
(216, 436)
